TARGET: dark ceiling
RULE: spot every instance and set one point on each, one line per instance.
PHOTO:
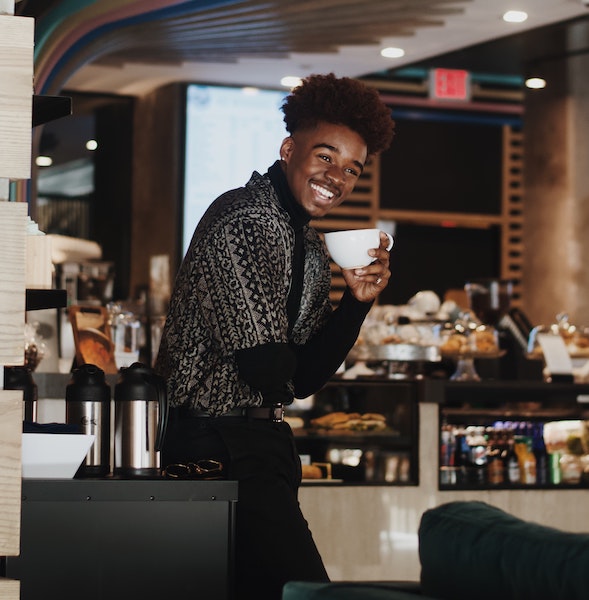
(519, 54)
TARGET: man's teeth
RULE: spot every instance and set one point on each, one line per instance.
(322, 191)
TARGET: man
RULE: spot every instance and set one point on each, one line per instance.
(250, 325)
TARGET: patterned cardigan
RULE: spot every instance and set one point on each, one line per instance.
(230, 294)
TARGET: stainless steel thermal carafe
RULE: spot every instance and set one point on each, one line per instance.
(141, 411)
(87, 405)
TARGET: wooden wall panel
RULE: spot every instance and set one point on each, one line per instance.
(512, 245)
(16, 102)
(16, 96)
(13, 216)
(9, 589)
(362, 209)
(157, 175)
(10, 471)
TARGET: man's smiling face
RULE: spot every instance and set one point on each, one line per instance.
(322, 165)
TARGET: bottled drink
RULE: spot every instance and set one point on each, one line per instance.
(527, 460)
(460, 456)
(512, 463)
(495, 470)
(447, 453)
(555, 476)
(477, 455)
(542, 458)
(447, 445)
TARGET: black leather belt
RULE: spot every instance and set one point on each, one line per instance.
(274, 413)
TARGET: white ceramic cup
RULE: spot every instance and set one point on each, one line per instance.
(349, 248)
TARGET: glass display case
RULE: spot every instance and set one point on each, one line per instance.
(360, 432)
(514, 435)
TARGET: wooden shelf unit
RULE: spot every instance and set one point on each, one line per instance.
(362, 210)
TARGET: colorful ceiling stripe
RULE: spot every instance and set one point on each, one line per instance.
(73, 32)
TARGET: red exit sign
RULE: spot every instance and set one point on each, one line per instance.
(449, 84)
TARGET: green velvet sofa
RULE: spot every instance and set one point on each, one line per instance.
(472, 550)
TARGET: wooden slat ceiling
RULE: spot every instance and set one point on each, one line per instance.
(272, 29)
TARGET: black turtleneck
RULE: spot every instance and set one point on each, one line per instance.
(298, 219)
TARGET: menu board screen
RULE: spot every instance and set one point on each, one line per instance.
(230, 132)
(444, 162)
(428, 257)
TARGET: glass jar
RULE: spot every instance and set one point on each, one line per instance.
(571, 468)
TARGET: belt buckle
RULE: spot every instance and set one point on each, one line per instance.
(277, 413)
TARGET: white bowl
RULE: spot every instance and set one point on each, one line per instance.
(53, 455)
(349, 248)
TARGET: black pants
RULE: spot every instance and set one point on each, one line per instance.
(273, 541)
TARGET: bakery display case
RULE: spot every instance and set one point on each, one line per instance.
(492, 434)
(359, 432)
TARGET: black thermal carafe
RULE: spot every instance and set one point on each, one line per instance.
(140, 421)
(87, 405)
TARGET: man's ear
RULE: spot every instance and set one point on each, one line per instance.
(286, 148)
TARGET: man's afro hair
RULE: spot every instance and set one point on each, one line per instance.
(342, 101)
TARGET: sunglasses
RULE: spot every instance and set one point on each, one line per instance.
(201, 469)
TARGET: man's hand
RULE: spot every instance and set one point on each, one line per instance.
(367, 283)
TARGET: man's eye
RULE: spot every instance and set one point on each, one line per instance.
(353, 172)
(325, 157)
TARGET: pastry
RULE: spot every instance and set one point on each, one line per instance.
(312, 472)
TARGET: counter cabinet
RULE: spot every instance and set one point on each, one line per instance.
(359, 450)
(126, 539)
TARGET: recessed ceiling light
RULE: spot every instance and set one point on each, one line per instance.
(43, 161)
(515, 16)
(392, 52)
(535, 83)
(290, 81)
(91, 145)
